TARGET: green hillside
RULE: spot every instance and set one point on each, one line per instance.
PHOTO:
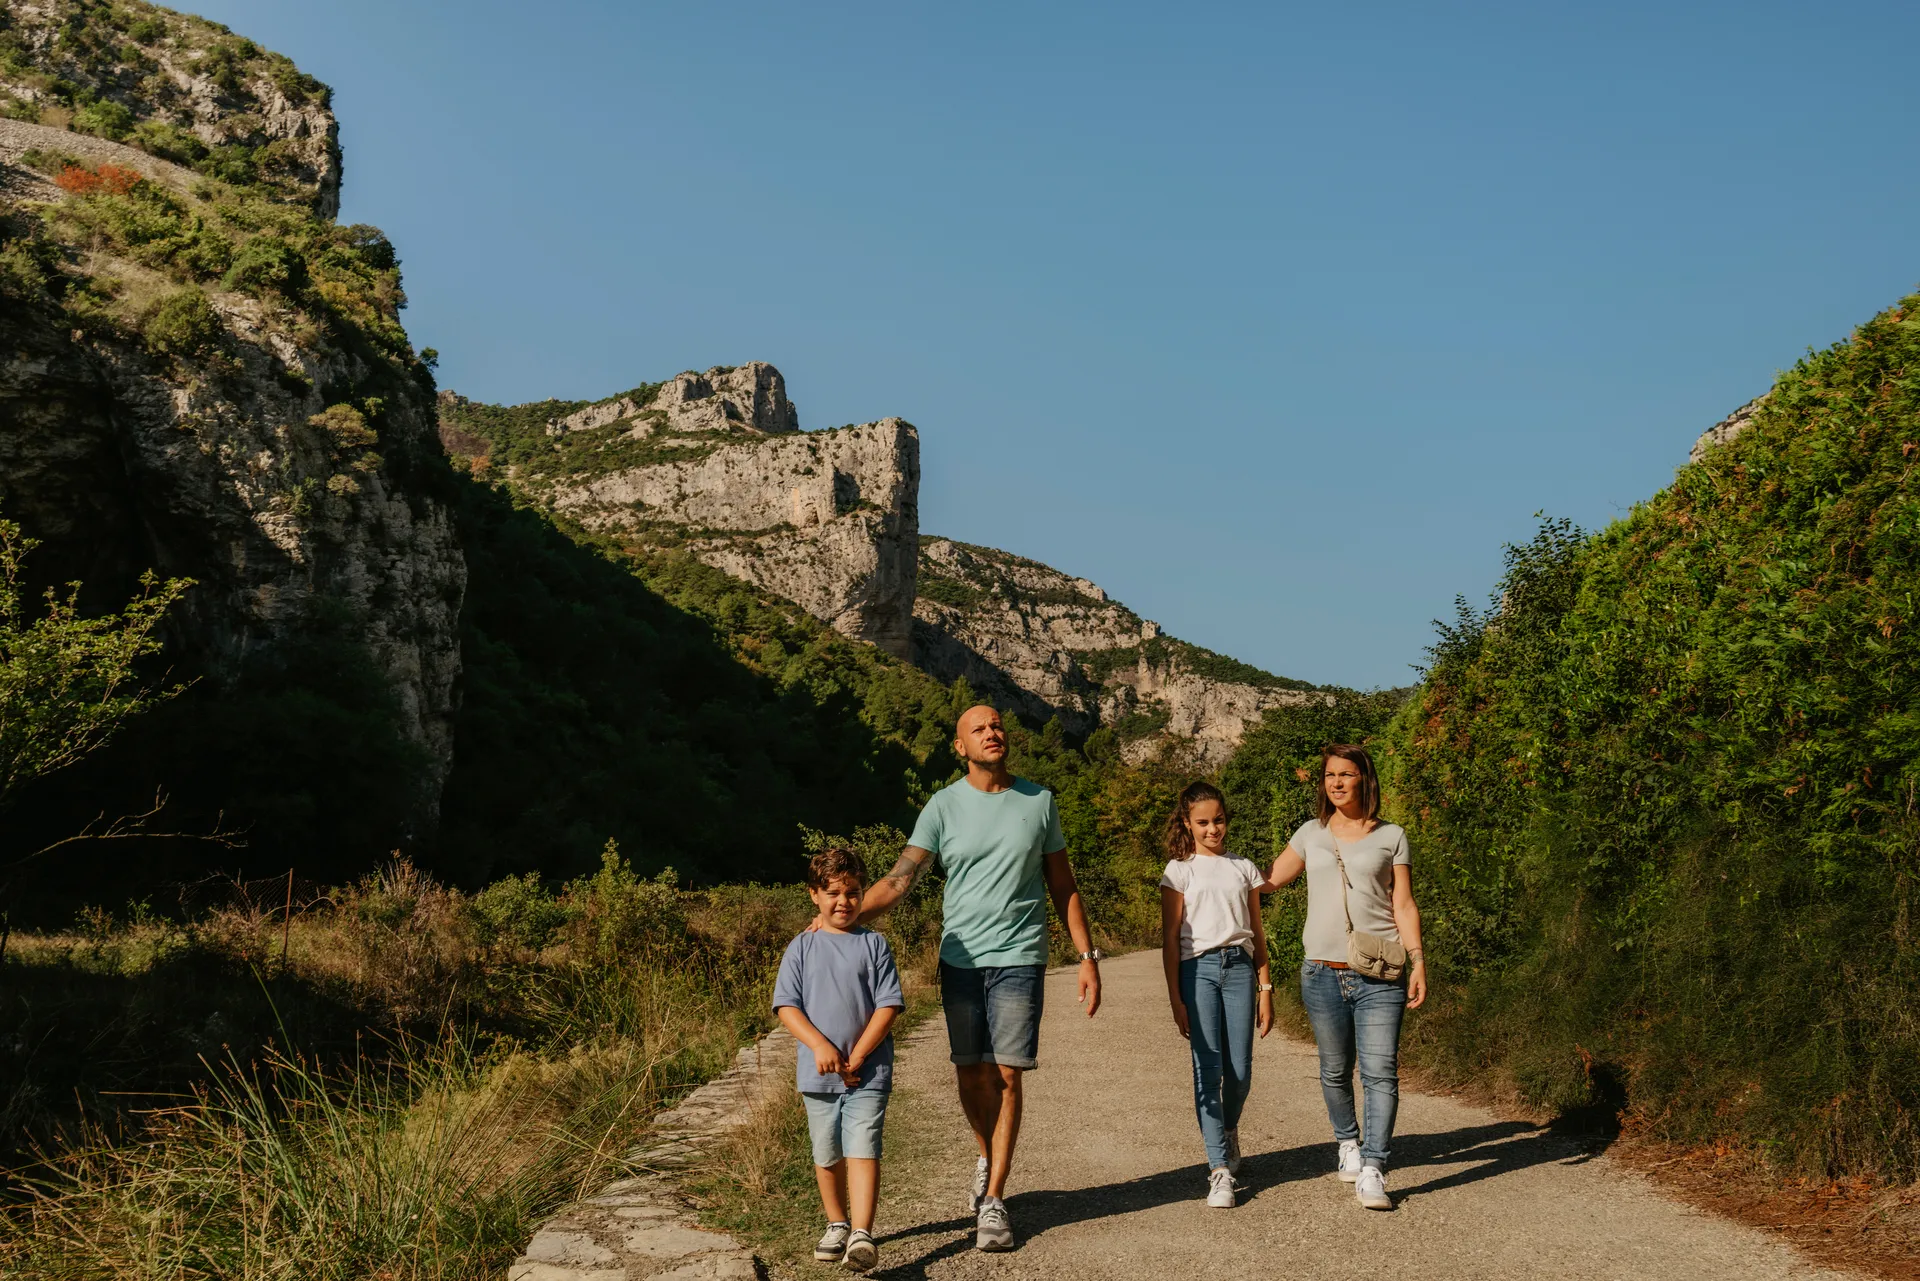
(1664, 791)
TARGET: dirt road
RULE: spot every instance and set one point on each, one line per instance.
(1110, 1180)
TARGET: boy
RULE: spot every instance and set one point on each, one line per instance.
(838, 993)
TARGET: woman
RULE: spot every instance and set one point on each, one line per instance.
(1355, 1016)
(1214, 947)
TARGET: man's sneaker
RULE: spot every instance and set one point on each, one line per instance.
(862, 1253)
(1233, 1151)
(979, 1189)
(993, 1232)
(1371, 1189)
(1349, 1160)
(1220, 1189)
(832, 1245)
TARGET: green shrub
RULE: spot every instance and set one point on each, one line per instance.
(618, 914)
(104, 117)
(345, 426)
(183, 323)
(519, 911)
(265, 264)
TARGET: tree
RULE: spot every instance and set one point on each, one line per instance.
(68, 682)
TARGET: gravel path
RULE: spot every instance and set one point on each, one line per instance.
(1110, 1177)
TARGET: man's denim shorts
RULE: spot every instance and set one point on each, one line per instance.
(993, 1013)
(843, 1125)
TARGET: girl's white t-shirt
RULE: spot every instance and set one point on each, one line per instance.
(1215, 887)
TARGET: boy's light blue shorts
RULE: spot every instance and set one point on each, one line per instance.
(843, 1125)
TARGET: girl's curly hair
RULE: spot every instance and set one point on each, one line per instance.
(1179, 839)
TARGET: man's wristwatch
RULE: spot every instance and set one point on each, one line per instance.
(1266, 987)
(1095, 955)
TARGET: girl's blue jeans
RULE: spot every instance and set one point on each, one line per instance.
(1355, 1017)
(1218, 990)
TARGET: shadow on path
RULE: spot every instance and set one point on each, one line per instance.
(1494, 1149)
(1501, 1147)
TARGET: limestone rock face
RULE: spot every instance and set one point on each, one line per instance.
(120, 462)
(1726, 429)
(221, 93)
(750, 397)
(828, 519)
(1046, 644)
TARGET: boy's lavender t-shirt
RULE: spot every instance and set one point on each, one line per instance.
(838, 981)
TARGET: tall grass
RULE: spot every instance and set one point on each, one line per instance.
(492, 1073)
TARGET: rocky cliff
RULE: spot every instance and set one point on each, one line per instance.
(715, 463)
(1046, 644)
(201, 373)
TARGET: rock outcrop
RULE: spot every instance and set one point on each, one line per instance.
(750, 397)
(1727, 428)
(828, 519)
(179, 87)
(1045, 644)
(716, 464)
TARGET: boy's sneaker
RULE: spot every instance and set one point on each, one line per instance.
(1349, 1169)
(1233, 1150)
(832, 1245)
(1370, 1189)
(992, 1231)
(862, 1253)
(1220, 1189)
(979, 1188)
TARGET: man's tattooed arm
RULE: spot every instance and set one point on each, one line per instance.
(895, 885)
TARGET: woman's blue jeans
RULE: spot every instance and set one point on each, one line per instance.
(1357, 1017)
(1218, 990)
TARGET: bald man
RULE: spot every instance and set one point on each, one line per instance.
(998, 837)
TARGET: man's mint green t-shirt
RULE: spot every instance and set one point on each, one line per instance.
(991, 845)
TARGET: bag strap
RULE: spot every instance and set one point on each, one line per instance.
(1346, 886)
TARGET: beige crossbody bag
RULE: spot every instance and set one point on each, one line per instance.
(1368, 954)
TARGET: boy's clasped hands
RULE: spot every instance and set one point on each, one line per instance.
(828, 1061)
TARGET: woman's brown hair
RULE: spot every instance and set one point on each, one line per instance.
(1179, 839)
(1369, 781)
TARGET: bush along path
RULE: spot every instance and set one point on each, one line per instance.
(1111, 1180)
(640, 1226)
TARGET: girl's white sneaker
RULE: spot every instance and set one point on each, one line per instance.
(1370, 1189)
(1349, 1169)
(1220, 1189)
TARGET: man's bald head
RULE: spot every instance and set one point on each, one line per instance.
(980, 738)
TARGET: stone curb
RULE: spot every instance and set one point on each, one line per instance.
(640, 1227)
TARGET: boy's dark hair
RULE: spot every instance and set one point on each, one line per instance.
(832, 863)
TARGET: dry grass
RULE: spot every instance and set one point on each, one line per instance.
(402, 1098)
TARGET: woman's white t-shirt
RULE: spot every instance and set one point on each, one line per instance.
(1215, 888)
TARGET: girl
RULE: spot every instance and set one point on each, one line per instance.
(1359, 878)
(1213, 943)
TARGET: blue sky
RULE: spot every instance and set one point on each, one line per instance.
(1276, 320)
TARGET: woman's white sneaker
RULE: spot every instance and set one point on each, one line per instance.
(1370, 1189)
(1349, 1162)
(1220, 1189)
